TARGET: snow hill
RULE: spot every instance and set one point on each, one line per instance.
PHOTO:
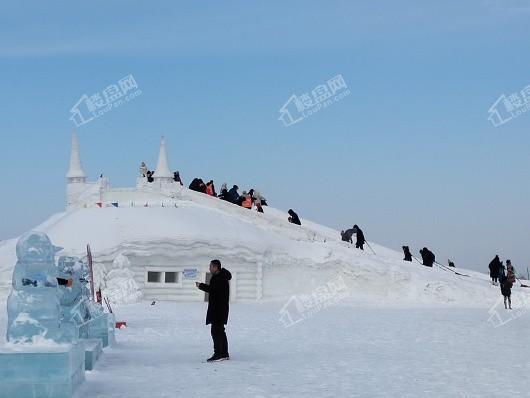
(298, 259)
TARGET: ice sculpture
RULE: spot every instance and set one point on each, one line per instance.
(33, 306)
(43, 357)
(121, 285)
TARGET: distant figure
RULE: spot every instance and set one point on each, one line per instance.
(210, 188)
(150, 176)
(258, 206)
(346, 236)
(143, 170)
(360, 237)
(407, 253)
(510, 272)
(495, 266)
(428, 257)
(450, 263)
(293, 217)
(176, 177)
(223, 195)
(233, 195)
(259, 198)
(246, 201)
(218, 308)
(506, 287)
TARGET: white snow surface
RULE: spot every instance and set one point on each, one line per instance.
(403, 331)
(192, 219)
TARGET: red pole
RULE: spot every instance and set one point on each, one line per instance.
(89, 257)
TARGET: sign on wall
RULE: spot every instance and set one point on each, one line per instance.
(190, 273)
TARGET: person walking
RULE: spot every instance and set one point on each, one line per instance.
(505, 281)
(218, 307)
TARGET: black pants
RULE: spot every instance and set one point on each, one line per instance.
(359, 245)
(220, 342)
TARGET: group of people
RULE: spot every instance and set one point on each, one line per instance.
(150, 175)
(359, 236)
(505, 276)
(248, 200)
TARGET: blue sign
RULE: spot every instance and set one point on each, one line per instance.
(190, 273)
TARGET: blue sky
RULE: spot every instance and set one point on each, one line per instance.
(409, 155)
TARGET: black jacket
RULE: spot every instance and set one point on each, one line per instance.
(347, 235)
(294, 218)
(360, 237)
(219, 296)
(495, 266)
(428, 257)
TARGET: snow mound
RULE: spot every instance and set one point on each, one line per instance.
(295, 260)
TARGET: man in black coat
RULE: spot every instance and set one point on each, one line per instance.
(233, 195)
(218, 307)
(428, 257)
(495, 267)
(360, 237)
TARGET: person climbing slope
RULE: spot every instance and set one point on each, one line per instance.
(360, 237)
(428, 257)
(506, 286)
(293, 217)
(347, 235)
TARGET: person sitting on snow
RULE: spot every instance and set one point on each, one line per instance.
(233, 195)
(407, 253)
(210, 188)
(176, 177)
(293, 217)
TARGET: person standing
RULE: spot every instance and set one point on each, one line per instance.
(360, 237)
(506, 285)
(218, 307)
(495, 266)
(407, 253)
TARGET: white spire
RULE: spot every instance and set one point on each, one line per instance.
(76, 168)
(162, 168)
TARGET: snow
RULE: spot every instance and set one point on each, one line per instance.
(343, 351)
(402, 330)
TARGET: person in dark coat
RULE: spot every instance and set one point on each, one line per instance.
(176, 177)
(495, 267)
(506, 290)
(347, 235)
(360, 237)
(450, 263)
(293, 217)
(194, 185)
(218, 307)
(428, 257)
(407, 253)
(233, 195)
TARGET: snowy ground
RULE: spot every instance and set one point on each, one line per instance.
(342, 351)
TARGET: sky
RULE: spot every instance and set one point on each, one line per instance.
(409, 154)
